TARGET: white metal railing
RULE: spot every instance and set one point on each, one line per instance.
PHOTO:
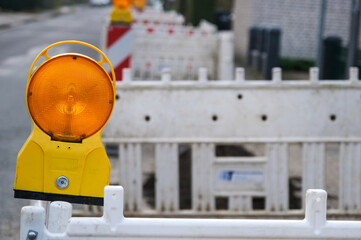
(204, 114)
(113, 224)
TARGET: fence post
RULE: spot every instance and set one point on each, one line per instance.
(261, 34)
(167, 177)
(252, 43)
(331, 59)
(277, 177)
(202, 158)
(354, 35)
(225, 56)
(313, 166)
(273, 48)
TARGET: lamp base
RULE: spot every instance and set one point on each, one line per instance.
(58, 197)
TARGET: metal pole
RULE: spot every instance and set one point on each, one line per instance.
(354, 30)
(321, 28)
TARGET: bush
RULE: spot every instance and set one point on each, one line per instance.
(296, 64)
(20, 5)
(31, 5)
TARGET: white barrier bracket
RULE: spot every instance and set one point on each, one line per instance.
(113, 225)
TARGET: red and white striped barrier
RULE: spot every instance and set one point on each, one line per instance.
(119, 47)
(159, 40)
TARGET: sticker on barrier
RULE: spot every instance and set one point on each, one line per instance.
(240, 176)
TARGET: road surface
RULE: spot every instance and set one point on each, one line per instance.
(19, 46)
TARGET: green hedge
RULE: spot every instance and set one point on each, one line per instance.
(31, 5)
(296, 64)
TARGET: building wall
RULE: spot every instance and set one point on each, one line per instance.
(338, 18)
(243, 10)
(298, 20)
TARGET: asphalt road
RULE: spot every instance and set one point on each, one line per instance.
(18, 48)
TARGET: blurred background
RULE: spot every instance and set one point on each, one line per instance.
(303, 25)
(26, 27)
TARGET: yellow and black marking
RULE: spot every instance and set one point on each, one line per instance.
(58, 197)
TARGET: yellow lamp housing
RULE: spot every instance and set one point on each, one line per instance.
(121, 16)
(69, 98)
(121, 12)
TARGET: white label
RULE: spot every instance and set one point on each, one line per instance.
(241, 176)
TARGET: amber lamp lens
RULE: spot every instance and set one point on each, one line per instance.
(123, 4)
(70, 97)
(140, 3)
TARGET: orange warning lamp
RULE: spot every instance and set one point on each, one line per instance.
(121, 13)
(78, 101)
(70, 98)
(139, 4)
(123, 4)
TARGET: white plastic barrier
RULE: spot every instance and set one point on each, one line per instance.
(181, 49)
(162, 41)
(204, 114)
(113, 224)
(156, 17)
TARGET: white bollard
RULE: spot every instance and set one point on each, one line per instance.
(225, 56)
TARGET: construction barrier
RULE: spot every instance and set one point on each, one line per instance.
(204, 115)
(181, 49)
(157, 17)
(119, 43)
(113, 224)
(163, 42)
